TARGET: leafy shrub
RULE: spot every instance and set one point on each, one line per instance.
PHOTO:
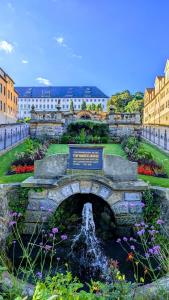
(82, 132)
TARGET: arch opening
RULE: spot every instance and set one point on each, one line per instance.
(68, 215)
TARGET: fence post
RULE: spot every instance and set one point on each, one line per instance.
(11, 136)
(5, 139)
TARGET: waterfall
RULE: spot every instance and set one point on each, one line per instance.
(86, 249)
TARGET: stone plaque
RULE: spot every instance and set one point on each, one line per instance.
(85, 158)
(132, 196)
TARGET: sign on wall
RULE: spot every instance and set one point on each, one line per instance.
(85, 158)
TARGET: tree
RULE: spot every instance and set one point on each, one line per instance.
(71, 106)
(120, 100)
(134, 106)
(93, 107)
(83, 106)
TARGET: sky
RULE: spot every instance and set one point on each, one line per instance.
(112, 44)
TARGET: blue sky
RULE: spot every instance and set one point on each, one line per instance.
(112, 44)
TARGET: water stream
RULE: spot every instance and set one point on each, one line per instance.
(86, 249)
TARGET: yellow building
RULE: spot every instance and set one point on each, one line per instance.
(8, 99)
(156, 101)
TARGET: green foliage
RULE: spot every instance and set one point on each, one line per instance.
(82, 132)
(125, 101)
(134, 106)
(131, 147)
(71, 106)
(65, 287)
(151, 210)
(83, 106)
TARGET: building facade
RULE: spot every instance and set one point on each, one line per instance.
(48, 98)
(8, 99)
(156, 101)
(156, 111)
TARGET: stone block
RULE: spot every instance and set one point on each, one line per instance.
(51, 166)
(66, 191)
(135, 207)
(95, 188)
(55, 195)
(36, 216)
(115, 197)
(132, 196)
(104, 192)
(48, 205)
(120, 208)
(119, 168)
(33, 204)
(75, 187)
(85, 187)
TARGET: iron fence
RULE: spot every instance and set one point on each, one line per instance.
(11, 134)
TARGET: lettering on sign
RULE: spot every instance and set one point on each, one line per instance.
(86, 158)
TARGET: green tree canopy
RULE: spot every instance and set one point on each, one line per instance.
(83, 106)
(134, 106)
(71, 106)
(121, 100)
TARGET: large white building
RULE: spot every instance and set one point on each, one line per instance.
(47, 98)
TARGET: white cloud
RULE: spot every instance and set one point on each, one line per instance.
(77, 56)
(43, 81)
(10, 6)
(24, 61)
(5, 46)
(60, 41)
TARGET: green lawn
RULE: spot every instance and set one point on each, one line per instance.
(158, 155)
(5, 163)
(108, 149)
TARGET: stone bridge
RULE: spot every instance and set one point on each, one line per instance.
(116, 184)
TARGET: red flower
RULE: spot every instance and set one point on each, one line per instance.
(130, 256)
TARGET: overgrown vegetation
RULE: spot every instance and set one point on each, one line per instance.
(82, 132)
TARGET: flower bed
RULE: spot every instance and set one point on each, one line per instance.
(24, 163)
(22, 169)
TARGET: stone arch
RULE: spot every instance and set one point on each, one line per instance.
(84, 114)
(67, 189)
(43, 204)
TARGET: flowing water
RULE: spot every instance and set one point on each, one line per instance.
(86, 249)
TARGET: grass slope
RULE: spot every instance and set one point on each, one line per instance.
(5, 163)
(108, 149)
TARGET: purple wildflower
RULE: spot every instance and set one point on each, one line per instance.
(137, 225)
(142, 204)
(159, 222)
(51, 235)
(64, 237)
(47, 247)
(141, 232)
(124, 239)
(58, 258)
(118, 240)
(55, 230)
(147, 255)
(14, 242)
(132, 247)
(156, 249)
(12, 223)
(39, 275)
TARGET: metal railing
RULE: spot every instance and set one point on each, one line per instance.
(11, 134)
